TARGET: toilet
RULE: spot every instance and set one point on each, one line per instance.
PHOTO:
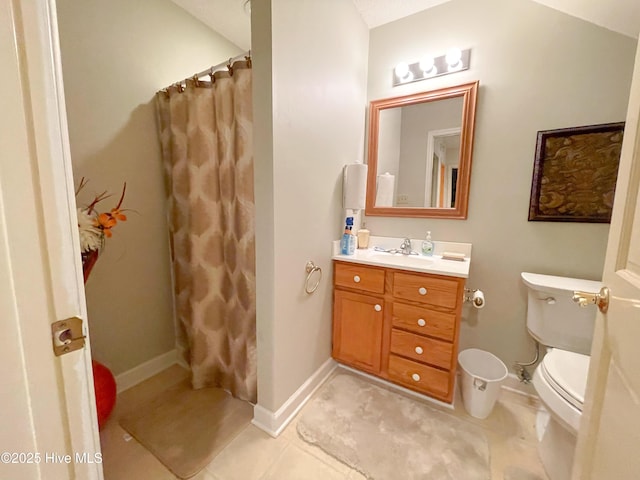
(560, 379)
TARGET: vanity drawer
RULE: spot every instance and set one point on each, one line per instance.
(424, 321)
(422, 349)
(353, 275)
(419, 376)
(436, 291)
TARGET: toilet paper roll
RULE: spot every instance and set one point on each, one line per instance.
(385, 187)
(478, 299)
(354, 186)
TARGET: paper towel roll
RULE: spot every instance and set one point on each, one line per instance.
(354, 186)
(478, 299)
(385, 187)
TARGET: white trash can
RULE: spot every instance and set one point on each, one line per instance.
(482, 375)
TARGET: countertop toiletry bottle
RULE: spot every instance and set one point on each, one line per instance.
(352, 241)
(363, 237)
(427, 246)
(347, 238)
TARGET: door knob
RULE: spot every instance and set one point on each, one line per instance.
(600, 299)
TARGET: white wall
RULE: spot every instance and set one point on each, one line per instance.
(539, 69)
(115, 56)
(310, 59)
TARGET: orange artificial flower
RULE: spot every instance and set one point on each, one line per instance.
(105, 222)
(102, 222)
(117, 214)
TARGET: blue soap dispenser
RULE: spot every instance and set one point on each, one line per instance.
(427, 246)
(347, 244)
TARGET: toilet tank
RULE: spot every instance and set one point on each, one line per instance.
(553, 318)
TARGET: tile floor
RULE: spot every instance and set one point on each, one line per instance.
(254, 455)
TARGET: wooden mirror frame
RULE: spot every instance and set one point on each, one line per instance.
(469, 92)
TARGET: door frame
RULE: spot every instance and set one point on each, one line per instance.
(42, 246)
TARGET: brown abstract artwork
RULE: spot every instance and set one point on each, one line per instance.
(575, 173)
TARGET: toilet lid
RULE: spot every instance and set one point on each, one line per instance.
(567, 374)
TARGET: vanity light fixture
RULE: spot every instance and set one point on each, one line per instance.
(455, 60)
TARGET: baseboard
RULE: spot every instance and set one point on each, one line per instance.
(180, 357)
(274, 423)
(146, 370)
(513, 384)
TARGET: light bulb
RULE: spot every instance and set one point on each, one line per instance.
(402, 70)
(453, 58)
(426, 64)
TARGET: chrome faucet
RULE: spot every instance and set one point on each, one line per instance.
(405, 246)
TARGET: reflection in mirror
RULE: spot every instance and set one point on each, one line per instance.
(442, 162)
(420, 153)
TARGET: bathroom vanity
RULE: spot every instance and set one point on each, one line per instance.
(397, 316)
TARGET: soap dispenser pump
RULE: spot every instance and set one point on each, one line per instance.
(427, 245)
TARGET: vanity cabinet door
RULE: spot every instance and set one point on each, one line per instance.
(357, 330)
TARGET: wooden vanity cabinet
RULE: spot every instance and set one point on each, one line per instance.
(399, 325)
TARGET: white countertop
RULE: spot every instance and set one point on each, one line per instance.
(416, 263)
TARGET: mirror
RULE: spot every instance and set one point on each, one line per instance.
(420, 149)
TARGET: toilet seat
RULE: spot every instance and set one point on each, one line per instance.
(561, 380)
(567, 373)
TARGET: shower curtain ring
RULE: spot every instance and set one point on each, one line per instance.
(230, 67)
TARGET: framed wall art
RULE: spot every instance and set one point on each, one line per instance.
(575, 173)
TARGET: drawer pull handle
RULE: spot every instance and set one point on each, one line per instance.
(356, 278)
(421, 322)
(377, 308)
(422, 291)
(419, 350)
(415, 377)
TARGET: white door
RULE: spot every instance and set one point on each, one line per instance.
(609, 437)
(48, 427)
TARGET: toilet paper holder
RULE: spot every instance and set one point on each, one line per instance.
(474, 296)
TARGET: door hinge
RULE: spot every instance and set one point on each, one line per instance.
(67, 335)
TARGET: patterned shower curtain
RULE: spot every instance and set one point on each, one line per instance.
(206, 137)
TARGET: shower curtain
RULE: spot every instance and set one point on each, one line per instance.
(206, 136)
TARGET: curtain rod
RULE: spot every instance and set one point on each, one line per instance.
(211, 70)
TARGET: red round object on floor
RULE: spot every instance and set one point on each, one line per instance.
(105, 387)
